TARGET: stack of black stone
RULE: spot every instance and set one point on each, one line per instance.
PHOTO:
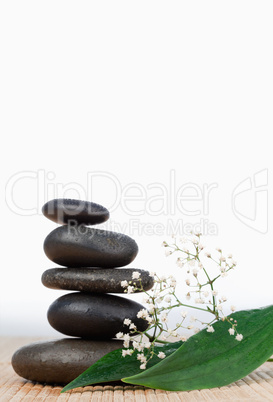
(91, 314)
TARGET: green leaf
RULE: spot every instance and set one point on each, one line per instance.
(209, 360)
(112, 367)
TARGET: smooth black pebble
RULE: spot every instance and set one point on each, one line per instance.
(63, 211)
(59, 361)
(93, 315)
(80, 246)
(95, 280)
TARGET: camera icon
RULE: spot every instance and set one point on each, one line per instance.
(251, 195)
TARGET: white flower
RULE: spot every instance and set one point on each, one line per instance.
(119, 335)
(229, 256)
(163, 338)
(208, 255)
(159, 300)
(124, 284)
(127, 321)
(183, 239)
(201, 247)
(164, 244)
(151, 273)
(151, 308)
(183, 338)
(191, 263)
(231, 331)
(179, 263)
(130, 289)
(163, 278)
(147, 345)
(222, 258)
(214, 293)
(184, 314)
(136, 275)
(141, 357)
(219, 307)
(126, 344)
(142, 366)
(199, 300)
(164, 317)
(142, 313)
(167, 253)
(161, 355)
(188, 296)
(210, 328)
(195, 271)
(239, 337)
(126, 337)
(168, 299)
(132, 326)
(223, 274)
(224, 299)
(188, 282)
(232, 308)
(206, 293)
(145, 299)
(127, 352)
(190, 326)
(218, 249)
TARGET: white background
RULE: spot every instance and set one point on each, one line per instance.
(140, 91)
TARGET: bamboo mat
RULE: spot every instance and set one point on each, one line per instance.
(258, 386)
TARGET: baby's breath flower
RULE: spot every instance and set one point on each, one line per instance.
(206, 293)
(127, 352)
(179, 263)
(210, 328)
(168, 252)
(184, 314)
(124, 284)
(132, 326)
(239, 337)
(164, 244)
(130, 289)
(142, 313)
(214, 293)
(168, 299)
(152, 274)
(208, 255)
(135, 275)
(142, 366)
(127, 321)
(161, 355)
(231, 331)
(232, 308)
(119, 335)
(183, 338)
(219, 307)
(188, 282)
(224, 299)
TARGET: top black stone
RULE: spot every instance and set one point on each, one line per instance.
(63, 211)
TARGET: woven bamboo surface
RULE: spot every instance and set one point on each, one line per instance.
(258, 386)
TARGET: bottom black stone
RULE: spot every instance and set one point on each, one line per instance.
(59, 361)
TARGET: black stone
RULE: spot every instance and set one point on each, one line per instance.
(93, 315)
(80, 246)
(59, 361)
(94, 280)
(63, 210)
